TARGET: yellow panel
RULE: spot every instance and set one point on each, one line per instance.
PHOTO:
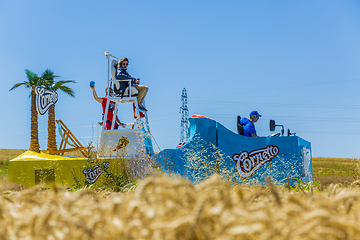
(32, 168)
(30, 155)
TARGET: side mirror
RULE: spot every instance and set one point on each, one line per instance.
(272, 125)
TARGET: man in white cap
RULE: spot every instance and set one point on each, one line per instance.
(249, 128)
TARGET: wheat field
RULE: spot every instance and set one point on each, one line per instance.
(163, 207)
(173, 208)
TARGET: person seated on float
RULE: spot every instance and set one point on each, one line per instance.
(123, 74)
(103, 101)
(249, 128)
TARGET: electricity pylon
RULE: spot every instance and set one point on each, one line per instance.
(184, 117)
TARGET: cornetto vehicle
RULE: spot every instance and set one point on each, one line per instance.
(32, 168)
(212, 148)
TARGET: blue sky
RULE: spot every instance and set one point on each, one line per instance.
(293, 61)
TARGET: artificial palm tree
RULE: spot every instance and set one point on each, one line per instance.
(53, 85)
(32, 82)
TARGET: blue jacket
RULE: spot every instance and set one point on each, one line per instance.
(244, 121)
(122, 74)
(249, 129)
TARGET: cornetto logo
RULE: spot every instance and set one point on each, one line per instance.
(247, 163)
(123, 142)
(92, 174)
(45, 99)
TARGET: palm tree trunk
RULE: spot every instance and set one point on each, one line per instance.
(51, 130)
(34, 132)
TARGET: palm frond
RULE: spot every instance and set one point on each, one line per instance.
(33, 78)
(62, 82)
(49, 75)
(25, 84)
(50, 83)
(30, 75)
(67, 90)
(47, 79)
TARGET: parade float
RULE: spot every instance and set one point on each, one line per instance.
(113, 145)
(210, 148)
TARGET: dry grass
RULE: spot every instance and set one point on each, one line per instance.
(163, 208)
(344, 180)
(335, 166)
(169, 208)
(342, 171)
(8, 154)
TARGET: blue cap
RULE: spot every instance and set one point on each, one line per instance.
(255, 113)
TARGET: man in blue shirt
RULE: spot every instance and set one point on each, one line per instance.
(249, 128)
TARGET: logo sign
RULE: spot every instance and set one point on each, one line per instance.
(123, 142)
(45, 99)
(247, 163)
(92, 174)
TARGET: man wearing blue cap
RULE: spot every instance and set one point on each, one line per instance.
(249, 128)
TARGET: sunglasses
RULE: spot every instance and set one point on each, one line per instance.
(125, 64)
